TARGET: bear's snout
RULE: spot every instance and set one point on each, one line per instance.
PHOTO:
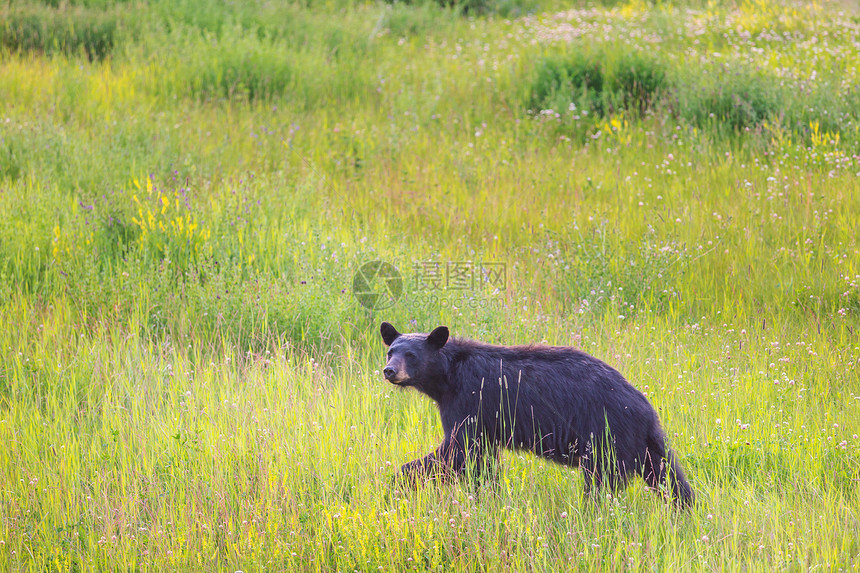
(389, 373)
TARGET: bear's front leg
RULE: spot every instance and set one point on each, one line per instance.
(421, 469)
(449, 461)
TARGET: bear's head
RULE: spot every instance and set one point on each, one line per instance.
(416, 359)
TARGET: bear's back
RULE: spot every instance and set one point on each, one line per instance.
(518, 393)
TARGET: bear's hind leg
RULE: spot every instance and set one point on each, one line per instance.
(661, 472)
(597, 478)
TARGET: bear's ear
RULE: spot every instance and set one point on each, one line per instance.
(438, 337)
(389, 333)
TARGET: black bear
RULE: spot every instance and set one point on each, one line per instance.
(557, 402)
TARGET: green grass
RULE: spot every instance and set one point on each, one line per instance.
(187, 381)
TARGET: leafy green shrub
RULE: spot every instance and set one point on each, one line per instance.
(255, 71)
(469, 6)
(403, 20)
(298, 56)
(576, 78)
(607, 81)
(246, 68)
(597, 82)
(515, 8)
(93, 32)
(503, 8)
(10, 160)
(734, 99)
(290, 24)
(85, 3)
(639, 80)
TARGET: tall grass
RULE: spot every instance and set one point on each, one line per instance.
(187, 380)
(93, 33)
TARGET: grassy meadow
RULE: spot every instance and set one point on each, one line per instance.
(188, 188)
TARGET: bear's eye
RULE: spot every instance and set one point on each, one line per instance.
(410, 355)
(389, 354)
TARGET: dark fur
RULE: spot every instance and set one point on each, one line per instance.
(557, 402)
